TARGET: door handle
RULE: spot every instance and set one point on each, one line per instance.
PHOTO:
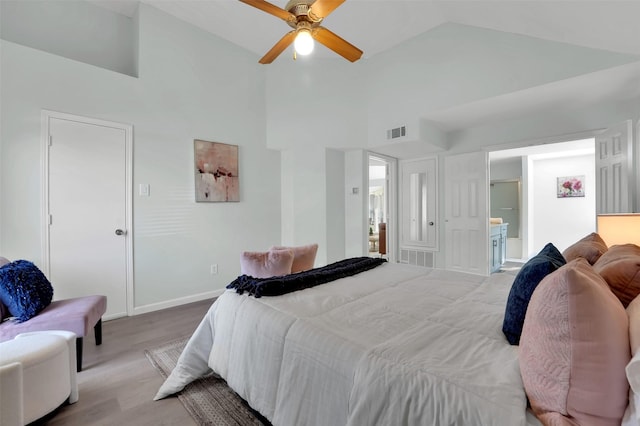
(430, 223)
(120, 232)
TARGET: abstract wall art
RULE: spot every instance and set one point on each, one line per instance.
(216, 171)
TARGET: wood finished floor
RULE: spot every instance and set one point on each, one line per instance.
(118, 383)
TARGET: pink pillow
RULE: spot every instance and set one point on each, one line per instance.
(268, 264)
(4, 261)
(633, 312)
(304, 256)
(574, 349)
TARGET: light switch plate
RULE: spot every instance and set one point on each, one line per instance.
(145, 190)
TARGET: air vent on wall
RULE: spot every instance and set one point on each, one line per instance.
(398, 132)
(417, 257)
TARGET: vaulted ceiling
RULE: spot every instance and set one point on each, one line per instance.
(378, 25)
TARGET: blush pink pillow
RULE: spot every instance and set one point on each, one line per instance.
(574, 349)
(273, 263)
(304, 256)
(633, 312)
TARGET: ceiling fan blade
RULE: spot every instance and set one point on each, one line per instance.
(271, 9)
(337, 44)
(322, 8)
(278, 48)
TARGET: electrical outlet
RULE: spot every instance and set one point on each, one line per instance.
(214, 269)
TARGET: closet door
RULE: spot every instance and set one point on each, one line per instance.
(615, 179)
(419, 204)
(88, 248)
(466, 212)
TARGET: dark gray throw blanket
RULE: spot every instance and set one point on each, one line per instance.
(276, 286)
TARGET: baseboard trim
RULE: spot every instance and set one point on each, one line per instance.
(176, 302)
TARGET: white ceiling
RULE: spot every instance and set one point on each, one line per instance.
(377, 25)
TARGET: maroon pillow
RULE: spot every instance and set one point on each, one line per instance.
(304, 257)
(590, 247)
(620, 268)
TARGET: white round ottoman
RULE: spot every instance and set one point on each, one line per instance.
(34, 377)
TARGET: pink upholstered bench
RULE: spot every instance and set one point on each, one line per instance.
(77, 315)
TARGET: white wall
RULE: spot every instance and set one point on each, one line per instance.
(312, 106)
(561, 221)
(356, 166)
(191, 85)
(335, 205)
(75, 29)
(304, 171)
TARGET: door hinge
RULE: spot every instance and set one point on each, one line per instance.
(50, 140)
(50, 220)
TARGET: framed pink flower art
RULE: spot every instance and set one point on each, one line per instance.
(571, 186)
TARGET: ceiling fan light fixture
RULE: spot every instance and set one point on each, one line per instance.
(303, 42)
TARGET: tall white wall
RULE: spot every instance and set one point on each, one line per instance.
(335, 209)
(311, 106)
(75, 29)
(192, 85)
(355, 169)
(304, 171)
(561, 221)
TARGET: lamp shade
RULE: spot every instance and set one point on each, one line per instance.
(619, 228)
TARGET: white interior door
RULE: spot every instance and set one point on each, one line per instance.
(88, 242)
(615, 181)
(419, 203)
(466, 212)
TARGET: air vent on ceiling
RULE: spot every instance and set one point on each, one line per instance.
(398, 132)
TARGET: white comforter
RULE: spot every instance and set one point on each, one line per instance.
(394, 345)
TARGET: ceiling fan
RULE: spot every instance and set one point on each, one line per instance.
(305, 17)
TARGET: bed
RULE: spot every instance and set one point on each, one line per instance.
(396, 344)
